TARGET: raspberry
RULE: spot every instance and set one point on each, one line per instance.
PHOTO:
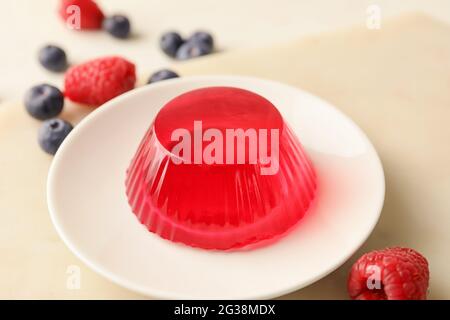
(389, 274)
(91, 17)
(99, 80)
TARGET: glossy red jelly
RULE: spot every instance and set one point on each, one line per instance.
(227, 196)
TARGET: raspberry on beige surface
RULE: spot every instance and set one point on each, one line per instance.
(98, 81)
(390, 274)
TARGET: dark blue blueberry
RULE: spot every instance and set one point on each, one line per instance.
(170, 42)
(202, 36)
(44, 101)
(53, 58)
(118, 26)
(192, 49)
(163, 74)
(52, 133)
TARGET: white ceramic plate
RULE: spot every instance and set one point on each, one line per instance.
(88, 206)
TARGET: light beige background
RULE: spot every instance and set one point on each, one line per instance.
(393, 83)
(29, 24)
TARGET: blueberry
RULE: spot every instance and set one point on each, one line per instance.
(202, 36)
(192, 49)
(170, 42)
(163, 74)
(44, 101)
(118, 26)
(53, 58)
(52, 133)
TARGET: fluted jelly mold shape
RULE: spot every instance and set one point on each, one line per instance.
(218, 206)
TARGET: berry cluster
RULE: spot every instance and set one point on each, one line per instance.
(200, 43)
(96, 81)
(91, 17)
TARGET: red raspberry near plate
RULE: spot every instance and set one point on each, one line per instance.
(99, 80)
(90, 15)
(389, 274)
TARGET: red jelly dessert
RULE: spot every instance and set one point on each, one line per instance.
(219, 169)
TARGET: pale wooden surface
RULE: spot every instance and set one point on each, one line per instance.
(393, 83)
